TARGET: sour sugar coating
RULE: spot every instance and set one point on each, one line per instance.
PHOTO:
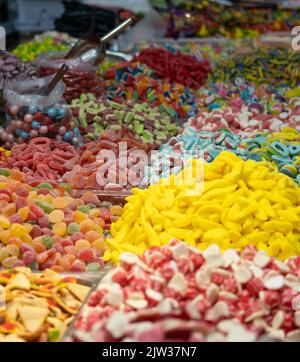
(95, 171)
(42, 158)
(177, 68)
(239, 203)
(177, 293)
(93, 116)
(44, 227)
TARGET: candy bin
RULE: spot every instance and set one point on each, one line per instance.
(81, 77)
(30, 114)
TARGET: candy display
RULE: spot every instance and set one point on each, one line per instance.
(94, 171)
(176, 293)
(44, 227)
(230, 202)
(81, 77)
(39, 307)
(93, 115)
(150, 187)
(31, 115)
(12, 68)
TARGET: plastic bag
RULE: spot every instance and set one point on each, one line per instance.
(23, 93)
(81, 77)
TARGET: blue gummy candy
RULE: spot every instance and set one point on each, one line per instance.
(279, 148)
(35, 124)
(67, 136)
(294, 150)
(281, 160)
(52, 112)
(24, 134)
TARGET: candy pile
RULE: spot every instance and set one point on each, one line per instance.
(12, 68)
(30, 50)
(264, 65)
(93, 116)
(210, 143)
(230, 202)
(283, 148)
(42, 158)
(245, 119)
(177, 293)
(43, 227)
(177, 68)
(135, 81)
(111, 163)
(39, 307)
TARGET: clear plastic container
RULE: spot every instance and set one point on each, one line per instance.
(30, 115)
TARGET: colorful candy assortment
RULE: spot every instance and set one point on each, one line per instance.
(44, 227)
(39, 307)
(94, 115)
(176, 293)
(208, 247)
(230, 202)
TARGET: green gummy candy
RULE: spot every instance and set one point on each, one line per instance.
(53, 335)
(33, 266)
(4, 172)
(147, 136)
(92, 267)
(86, 208)
(45, 185)
(72, 228)
(129, 117)
(48, 242)
(139, 128)
(106, 204)
(115, 127)
(45, 206)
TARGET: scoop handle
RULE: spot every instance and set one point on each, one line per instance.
(58, 76)
(107, 37)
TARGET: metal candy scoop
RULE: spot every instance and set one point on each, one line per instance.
(91, 49)
(48, 88)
